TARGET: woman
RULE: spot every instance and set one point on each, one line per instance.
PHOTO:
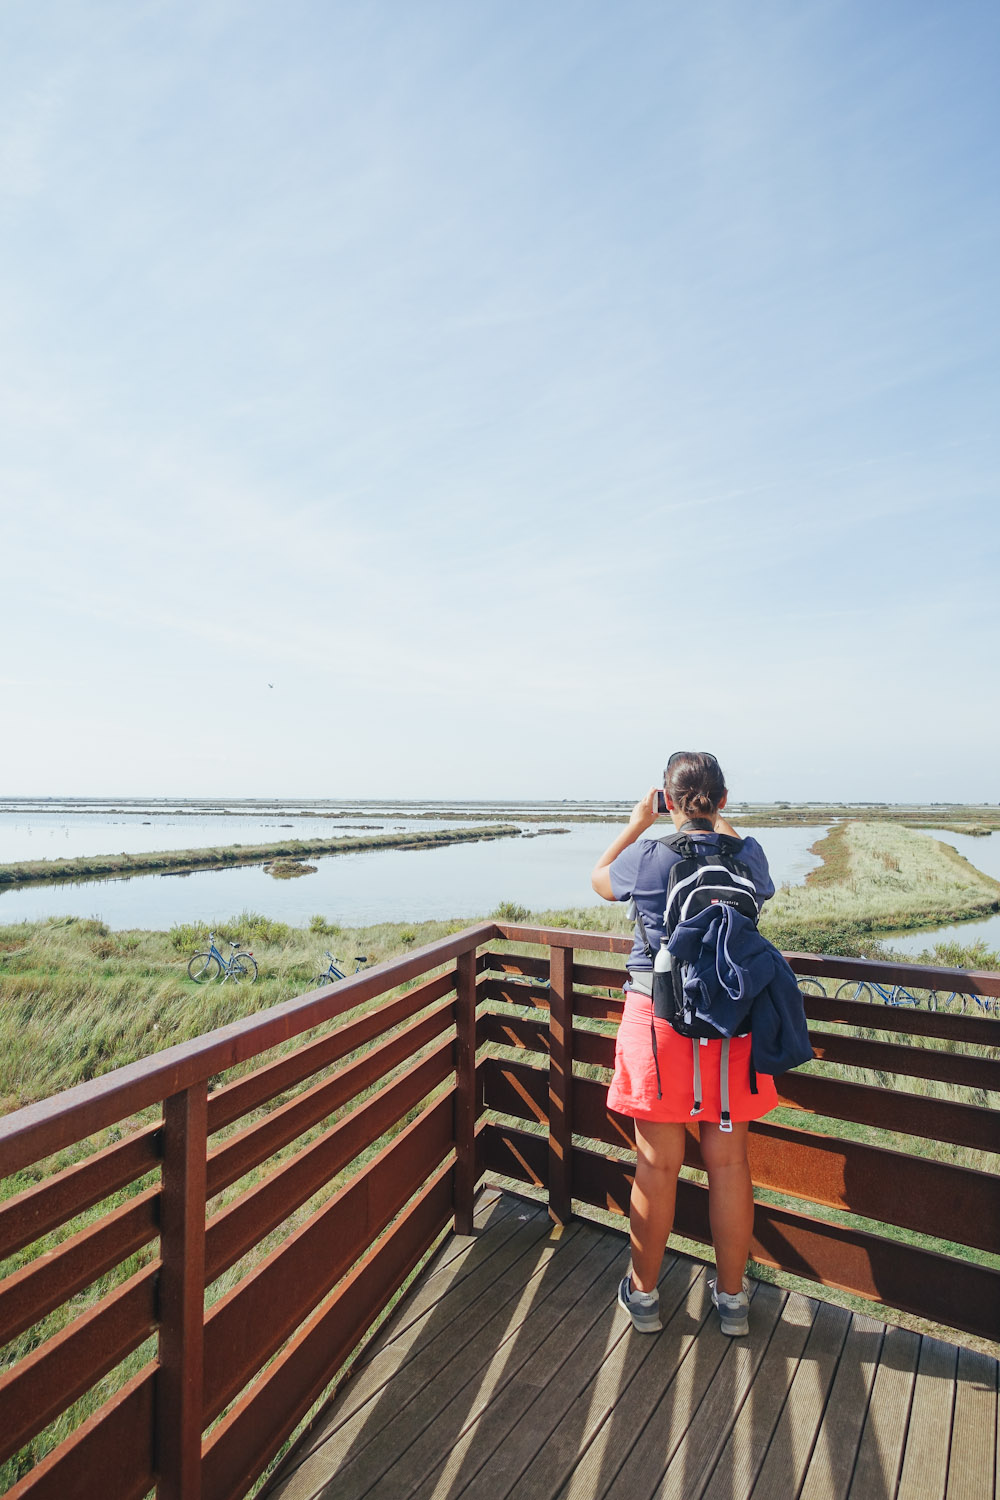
(657, 1090)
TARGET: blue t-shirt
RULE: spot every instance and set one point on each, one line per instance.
(640, 874)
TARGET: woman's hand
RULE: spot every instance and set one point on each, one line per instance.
(644, 814)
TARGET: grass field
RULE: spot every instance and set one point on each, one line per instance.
(876, 878)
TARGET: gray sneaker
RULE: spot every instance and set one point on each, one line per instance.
(642, 1307)
(733, 1308)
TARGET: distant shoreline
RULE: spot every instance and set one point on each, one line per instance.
(975, 819)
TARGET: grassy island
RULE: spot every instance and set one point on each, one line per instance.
(877, 878)
(90, 867)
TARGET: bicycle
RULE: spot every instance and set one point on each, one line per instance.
(332, 974)
(240, 964)
(873, 992)
(810, 986)
(939, 1000)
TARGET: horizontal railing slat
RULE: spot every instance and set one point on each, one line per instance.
(42, 1385)
(516, 1088)
(911, 1062)
(37, 1130)
(513, 1031)
(515, 1153)
(50, 1203)
(516, 963)
(253, 1320)
(231, 1233)
(912, 976)
(510, 992)
(242, 1445)
(565, 937)
(600, 976)
(30, 1294)
(238, 1098)
(110, 1454)
(893, 1187)
(239, 1155)
(907, 1114)
(908, 1019)
(598, 1007)
(42, 1208)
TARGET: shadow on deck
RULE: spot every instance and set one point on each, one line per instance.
(509, 1370)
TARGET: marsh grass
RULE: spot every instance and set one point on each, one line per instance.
(876, 878)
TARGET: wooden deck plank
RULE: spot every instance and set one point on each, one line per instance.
(925, 1461)
(509, 1371)
(746, 1446)
(446, 1462)
(694, 1461)
(460, 1256)
(795, 1434)
(684, 1305)
(973, 1459)
(828, 1476)
(661, 1425)
(494, 1280)
(466, 1342)
(484, 1261)
(595, 1352)
(880, 1452)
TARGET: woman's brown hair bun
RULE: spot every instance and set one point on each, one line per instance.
(694, 783)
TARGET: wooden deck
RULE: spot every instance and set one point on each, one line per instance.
(509, 1370)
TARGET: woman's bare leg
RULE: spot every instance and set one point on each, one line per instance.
(730, 1201)
(659, 1147)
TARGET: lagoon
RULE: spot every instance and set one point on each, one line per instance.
(538, 870)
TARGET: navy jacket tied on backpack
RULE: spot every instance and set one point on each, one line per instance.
(738, 981)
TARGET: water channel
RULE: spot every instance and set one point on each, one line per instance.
(984, 853)
(538, 870)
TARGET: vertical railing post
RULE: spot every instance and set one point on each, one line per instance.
(560, 1084)
(466, 1092)
(179, 1401)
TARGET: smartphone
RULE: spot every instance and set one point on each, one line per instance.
(661, 804)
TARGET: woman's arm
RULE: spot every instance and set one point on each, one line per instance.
(643, 816)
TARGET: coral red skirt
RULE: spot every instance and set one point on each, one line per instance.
(633, 1089)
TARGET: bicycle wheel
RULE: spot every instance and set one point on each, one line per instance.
(204, 966)
(855, 989)
(243, 967)
(941, 1000)
(810, 986)
(323, 979)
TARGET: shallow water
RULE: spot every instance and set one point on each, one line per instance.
(982, 852)
(461, 881)
(75, 835)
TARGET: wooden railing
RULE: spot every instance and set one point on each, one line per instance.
(243, 1233)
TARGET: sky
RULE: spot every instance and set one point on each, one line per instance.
(482, 398)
